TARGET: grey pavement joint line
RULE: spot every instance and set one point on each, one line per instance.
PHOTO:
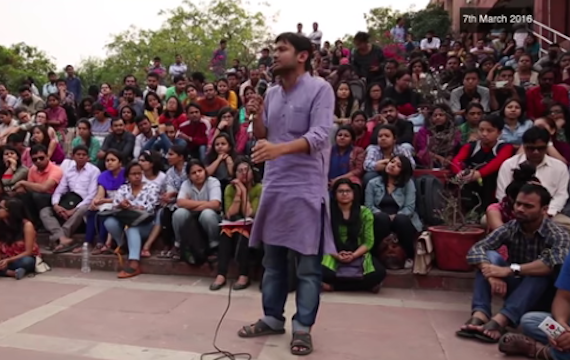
(91, 349)
(29, 318)
(201, 287)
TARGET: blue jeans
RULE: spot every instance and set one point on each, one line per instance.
(529, 326)
(94, 229)
(522, 293)
(135, 235)
(27, 263)
(275, 288)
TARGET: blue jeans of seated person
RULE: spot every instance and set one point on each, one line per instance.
(27, 263)
(522, 293)
(275, 288)
(135, 235)
(95, 231)
(209, 221)
(529, 326)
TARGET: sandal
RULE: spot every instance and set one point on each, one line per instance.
(64, 248)
(465, 332)
(258, 329)
(97, 250)
(164, 254)
(302, 343)
(145, 253)
(106, 250)
(518, 344)
(492, 325)
(129, 272)
(174, 254)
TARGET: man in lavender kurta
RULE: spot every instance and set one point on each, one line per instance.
(294, 124)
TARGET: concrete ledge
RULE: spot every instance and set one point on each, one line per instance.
(404, 279)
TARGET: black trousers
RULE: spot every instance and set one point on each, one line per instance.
(228, 245)
(34, 202)
(167, 229)
(401, 225)
(367, 282)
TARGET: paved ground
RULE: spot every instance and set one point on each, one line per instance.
(66, 315)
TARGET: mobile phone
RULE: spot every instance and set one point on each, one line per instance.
(501, 84)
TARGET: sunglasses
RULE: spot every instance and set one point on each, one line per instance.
(39, 158)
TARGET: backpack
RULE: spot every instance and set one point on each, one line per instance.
(358, 90)
(429, 198)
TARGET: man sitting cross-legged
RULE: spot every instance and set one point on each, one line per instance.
(534, 343)
(536, 245)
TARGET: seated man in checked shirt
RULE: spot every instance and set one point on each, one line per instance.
(536, 246)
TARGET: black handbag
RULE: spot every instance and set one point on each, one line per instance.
(129, 217)
(70, 200)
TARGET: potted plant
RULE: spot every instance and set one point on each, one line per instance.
(459, 231)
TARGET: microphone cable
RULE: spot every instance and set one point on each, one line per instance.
(220, 353)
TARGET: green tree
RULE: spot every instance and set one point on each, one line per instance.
(20, 61)
(433, 17)
(192, 30)
(380, 20)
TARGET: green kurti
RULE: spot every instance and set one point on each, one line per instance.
(254, 194)
(93, 149)
(366, 237)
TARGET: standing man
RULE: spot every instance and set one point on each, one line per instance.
(73, 82)
(219, 60)
(294, 125)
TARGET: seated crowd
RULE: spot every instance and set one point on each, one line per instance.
(133, 167)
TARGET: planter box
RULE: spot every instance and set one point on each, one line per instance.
(451, 247)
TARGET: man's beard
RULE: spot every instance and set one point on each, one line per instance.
(27, 101)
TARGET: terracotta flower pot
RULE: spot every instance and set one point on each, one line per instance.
(451, 246)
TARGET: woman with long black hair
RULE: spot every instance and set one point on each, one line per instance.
(18, 247)
(352, 268)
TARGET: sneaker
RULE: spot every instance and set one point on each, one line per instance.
(409, 264)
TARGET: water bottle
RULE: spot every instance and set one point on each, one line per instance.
(85, 268)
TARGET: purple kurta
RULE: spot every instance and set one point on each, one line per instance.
(295, 186)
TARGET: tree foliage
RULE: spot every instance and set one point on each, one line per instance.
(381, 20)
(433, 17)
(19, 61)
(192, 30)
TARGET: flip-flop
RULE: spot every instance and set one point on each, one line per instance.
(469, 333)
(492, 325)
(145, 253)
(303, 342)
(258, 329)
(60, 249)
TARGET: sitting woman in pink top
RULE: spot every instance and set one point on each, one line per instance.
(56, 115)
(40, 136)
(228, 123)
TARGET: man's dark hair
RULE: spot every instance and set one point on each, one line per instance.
(60, 81)
(387, 103)
(128, 76)
(24, 88)
(471, 71)
(129, 88)
(223, 41)
(535, 134)
(300, 44)
(178, 78)
(154, 75)
(507, 68)
(15, 138)
(141, 118)
(539, 190)
(156, 58)
(6, 112)
(80, 148)
(194, 105)
(361, 37)
(51, 73)
(114, 120)
(36, 149)
(198, 76)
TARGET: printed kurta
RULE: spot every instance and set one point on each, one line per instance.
(295, 196)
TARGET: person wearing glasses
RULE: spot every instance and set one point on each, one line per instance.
(43, 178)
(552, 173)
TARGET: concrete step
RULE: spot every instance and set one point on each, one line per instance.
(436, 279)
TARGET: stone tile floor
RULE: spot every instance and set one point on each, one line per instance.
(67, 315)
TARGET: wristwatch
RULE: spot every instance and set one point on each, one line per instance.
(516, 269)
